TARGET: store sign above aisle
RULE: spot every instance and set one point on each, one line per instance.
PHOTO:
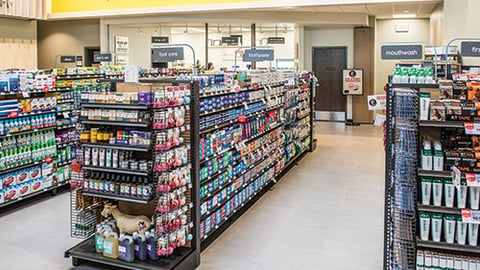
(160, 40)
(353, 82)
(230, 41)
(258, 55)
(68, 59)
(402, 52)
(102, 57)
(165, 55)
(470, 49)
(276, 40)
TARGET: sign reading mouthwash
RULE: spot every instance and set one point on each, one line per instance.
(402, 52)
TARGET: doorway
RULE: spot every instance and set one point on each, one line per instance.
(88, 56)
(328, 65)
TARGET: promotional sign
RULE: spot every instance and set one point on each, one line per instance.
(276, 40)
(473, 180)
(402, 52)
(472, 128)
(353, 82)
(121, 60)
(258, 55)
(131, 74)
(67, 59)
(377, 102)
(229, 40)
(160, 40)
(121, 44)
(470, 49)
(470, 216)
(102, 57)
(165, 55)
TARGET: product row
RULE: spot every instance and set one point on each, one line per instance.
(427, 259)
(230, 115)
(27, 123)
(412, 75)
(120, 137)
(215, 103)
(170, 118)
(129, 116)
(114, 158)
(118, 184)
(171, 96)
(25, 81)
(443, 192)
(154, 73)
(454, 229)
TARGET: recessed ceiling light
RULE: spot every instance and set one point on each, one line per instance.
(404, 16)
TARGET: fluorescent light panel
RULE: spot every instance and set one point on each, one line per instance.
(404, 16)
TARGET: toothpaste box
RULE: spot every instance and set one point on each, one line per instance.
(34, 172)
(2, 197)
(22, 176)
(24, 189)
(9, 180)
(11, 193)
(36, 185)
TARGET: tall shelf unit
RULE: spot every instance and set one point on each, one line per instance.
(409, 210)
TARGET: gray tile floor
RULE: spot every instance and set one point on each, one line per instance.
(327, 213)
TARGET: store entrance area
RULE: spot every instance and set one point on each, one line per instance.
(316, 217)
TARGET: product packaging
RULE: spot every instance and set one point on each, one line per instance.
(436, 227)
(424, 105)
(462, 195)
(437, 191)
(437, 156)
(449, 228)
(474, 195)
(424, 226)
(449, 192)
(427, 156)
(472, 234)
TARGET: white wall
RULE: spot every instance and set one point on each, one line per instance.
(436, 26)
(194, 38)
(18, 44)
(419, 31)
(327, 38)
(282, 51)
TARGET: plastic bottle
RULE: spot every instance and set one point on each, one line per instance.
(151, 245)
(110, 245)
(140, 246)
(126, 248)
(99, 234)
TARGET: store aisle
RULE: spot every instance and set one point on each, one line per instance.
(327, 213)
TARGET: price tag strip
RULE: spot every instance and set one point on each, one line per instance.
(472, 128)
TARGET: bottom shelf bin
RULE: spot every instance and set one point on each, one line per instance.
(85, 254)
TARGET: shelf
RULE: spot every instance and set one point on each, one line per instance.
(205, 113)
(116, 197)
(414, 85)
(439, 209)
(116, 106)
(29, 92)
(60, 101)
(80, 76)
(230, 91)
(203, 181)
(26, 114)
(212, 128)
(449, 247)
(66, 126)
(26, 131)
(65, 162)
(118, 146)
(114, 123)
(444, 124)
(85, 252)
(65, 144)
(303, 116)
(41, 191)
(116, 170)
(443, 174)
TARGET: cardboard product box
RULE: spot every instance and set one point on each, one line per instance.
(47, 169)
(2, 197)
(24, 189)
(12, 193)
(460, 90)
(9, 179)
(133, 87)
(37, 185)
(473, 90)
(22, 176)
(446, 89)
(437, 111)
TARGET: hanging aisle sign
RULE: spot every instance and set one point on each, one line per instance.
(165, 55)
(67, 59)
(230, 41)
(402, 52)
(160, 40)
(258, 55)
(470, 49)
(276, 40)
(102, 57)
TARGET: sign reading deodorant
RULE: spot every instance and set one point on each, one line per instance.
(165, 55)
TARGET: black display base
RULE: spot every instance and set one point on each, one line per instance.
(351, 123)
(85, 254)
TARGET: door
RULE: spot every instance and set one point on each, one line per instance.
(328, 65)
(88, 56)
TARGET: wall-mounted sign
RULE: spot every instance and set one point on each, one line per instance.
(258, 55)
(470, 49)
(79, 61)
(164, 55)
(401, 27)
(353, 82)
(121, 44)
(402, 52)
(239, 37)
(276, 40)
(160, 40)
(102, 57)
(67, 59)
(230, 41)
(121, 60)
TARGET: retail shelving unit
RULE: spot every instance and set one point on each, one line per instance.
(84, 200)
(405, 132)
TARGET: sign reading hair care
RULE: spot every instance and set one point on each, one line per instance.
(165, 55)
(102, 57)
(67, 59)
(230, 41)
(276, 40)
(353, 82)
(121, 44)
(258, 55)
(402, 52)
(160, 40)
(470, 49)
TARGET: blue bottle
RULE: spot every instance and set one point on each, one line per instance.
(126, 248)
(140, 246)
(151, 245)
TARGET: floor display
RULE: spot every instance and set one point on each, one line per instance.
(431, 182)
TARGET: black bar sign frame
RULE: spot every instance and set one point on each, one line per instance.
(160, 40)
(68, 59)
(102, 57)
(234, 41)
(168, 54)
(276, 40)
(402, 52)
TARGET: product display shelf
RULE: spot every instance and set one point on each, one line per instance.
(116, 170)
(209, 237)
(464, 249)
(52, 189)
(439, 209)
(116, 106)
(27, 114)
(414, 86)
(205, 113)
(115, 123)
(79, 76)
(187, 257)
(65, 162)
(442, 124)
(26, 132)
(209, 93)
(66, 126)
(434, 173)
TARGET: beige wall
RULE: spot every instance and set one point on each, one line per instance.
(314, 37)
(419, 31)
(57, 38)
(436, 26)
(18, 44)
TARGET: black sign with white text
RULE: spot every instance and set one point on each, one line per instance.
(402, 52)
(160, 40)
(102, 57)
(165, 55)
(276, 40)
(229, 40)
(67, 59)
(471, 49)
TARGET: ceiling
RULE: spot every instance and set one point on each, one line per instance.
(421, 9)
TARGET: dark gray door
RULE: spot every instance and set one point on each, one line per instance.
(328, 64)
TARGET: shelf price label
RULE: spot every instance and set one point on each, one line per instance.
(471, 216)
(457, 176)
(473, 180)
(472, 128)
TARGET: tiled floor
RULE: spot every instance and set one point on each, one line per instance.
(327, 213)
